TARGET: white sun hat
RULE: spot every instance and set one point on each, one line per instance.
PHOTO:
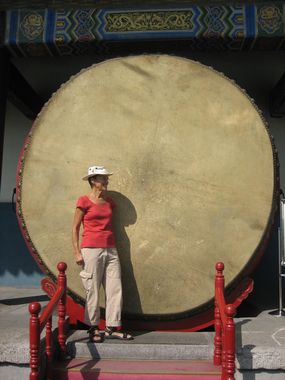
(94, 170)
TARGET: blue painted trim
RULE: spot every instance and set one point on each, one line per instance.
(13, 20)
(49, 35)
(250, 26)
(197, 15)
(250, 21)
(12, 33)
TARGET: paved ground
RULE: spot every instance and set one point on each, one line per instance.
(14, 322)
(260, 340)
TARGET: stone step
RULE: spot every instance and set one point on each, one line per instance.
(122, 369)
(146, 345)
(254, 350)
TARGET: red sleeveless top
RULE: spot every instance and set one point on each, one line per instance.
(97, 223)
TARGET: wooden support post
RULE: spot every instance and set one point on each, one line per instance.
(34, 309)
(4, 68)
(219, 284)
(62, 309)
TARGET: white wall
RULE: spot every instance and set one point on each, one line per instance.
(17, 127)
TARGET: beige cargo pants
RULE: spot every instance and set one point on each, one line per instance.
(102, 266)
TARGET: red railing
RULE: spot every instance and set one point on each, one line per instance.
(224, 342)
(37, 324)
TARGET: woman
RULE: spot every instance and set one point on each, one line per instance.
(98, 255)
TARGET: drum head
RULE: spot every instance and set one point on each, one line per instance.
(193, 177)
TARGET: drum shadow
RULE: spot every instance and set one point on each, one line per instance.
(124, 216)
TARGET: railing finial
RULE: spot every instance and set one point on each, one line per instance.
(230, 310)
(34, 308)
(61, 267)
(220, 266)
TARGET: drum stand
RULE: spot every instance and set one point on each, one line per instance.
(281, 253)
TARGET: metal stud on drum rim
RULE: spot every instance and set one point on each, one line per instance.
(194, 177)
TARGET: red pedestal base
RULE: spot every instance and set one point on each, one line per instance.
(75, 311)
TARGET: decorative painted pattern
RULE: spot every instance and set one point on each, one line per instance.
(271, 19)
(148, 21)
(32, 32)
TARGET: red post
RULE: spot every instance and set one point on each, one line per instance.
(61, 281)
(49, 349)
(230, 342)
(34, 309)
(219, 284)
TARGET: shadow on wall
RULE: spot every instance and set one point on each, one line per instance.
(124, 216)
(17, 265)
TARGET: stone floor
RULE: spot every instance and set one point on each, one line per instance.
(260, 341)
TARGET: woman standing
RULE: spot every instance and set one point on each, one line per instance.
(98, 255)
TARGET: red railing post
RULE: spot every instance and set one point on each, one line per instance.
(224, 341)
(230, 342)
(49, 349)
(224, 370)
(37, 324)
(61, 281)
(219, 284)
(34, 309)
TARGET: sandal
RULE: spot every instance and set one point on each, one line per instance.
(94, 337)
(113, 333)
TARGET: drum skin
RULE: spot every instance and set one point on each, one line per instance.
(194, 178)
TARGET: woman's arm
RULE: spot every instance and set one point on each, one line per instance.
(77, 220)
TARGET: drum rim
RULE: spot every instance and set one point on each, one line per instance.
(244, 272)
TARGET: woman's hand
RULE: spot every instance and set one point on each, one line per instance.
(79, 258)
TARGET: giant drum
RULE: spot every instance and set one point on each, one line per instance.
(194, 178)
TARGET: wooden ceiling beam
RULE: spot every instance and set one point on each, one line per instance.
(22, 95)
(277, 99)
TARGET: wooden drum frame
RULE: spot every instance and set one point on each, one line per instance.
(195, 180)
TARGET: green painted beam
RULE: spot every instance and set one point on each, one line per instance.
(67, 4)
